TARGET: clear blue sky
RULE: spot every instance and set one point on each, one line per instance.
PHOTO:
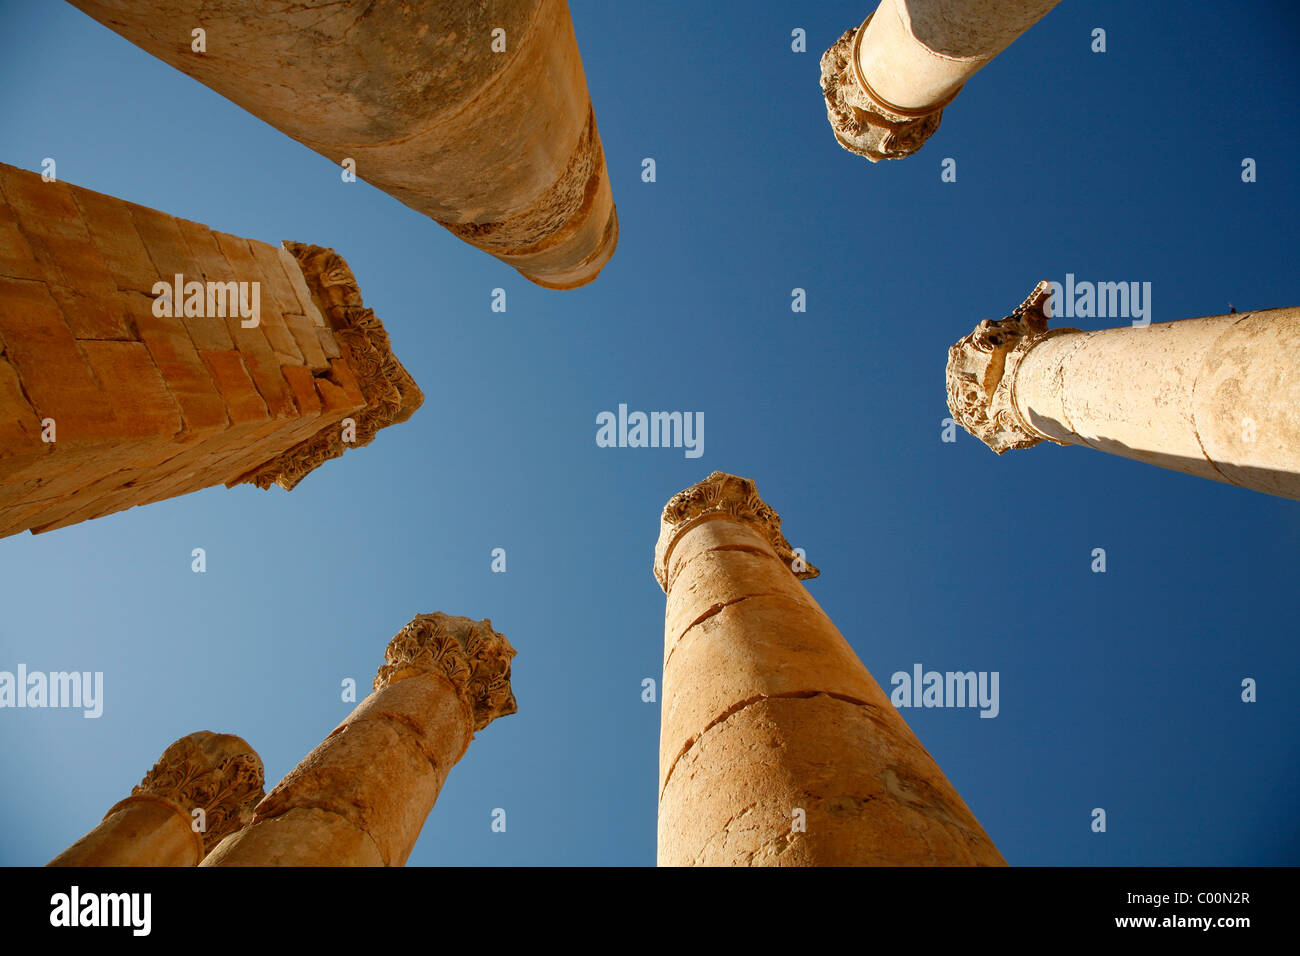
(1118, 690)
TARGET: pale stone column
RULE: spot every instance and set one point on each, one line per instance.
(888, 81)
(361, 797)
(219, 774)
(1217, 397)
(498, 145)
(777, 747)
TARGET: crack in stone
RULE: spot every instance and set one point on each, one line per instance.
(748, 548)
(712, 611)
(741, 705)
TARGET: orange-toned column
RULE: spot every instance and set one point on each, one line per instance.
(1217, 397)
(473, 113)
(361, 797)
(144, 357)
(887, 82)
(202, 789)
(777, 747)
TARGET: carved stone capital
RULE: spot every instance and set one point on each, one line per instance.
(391, 394)
(218, 773)
(722, 496)
(863, 122)
(473, 656)
(982, 373)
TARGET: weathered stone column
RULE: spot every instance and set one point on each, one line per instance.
(888, 81)
(144, 357)
(218, 774)
(475, 114)
(777, 747)
(1217, 397)
(361, 797)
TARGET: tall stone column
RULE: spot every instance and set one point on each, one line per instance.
(473, 113)
(887, 82)
(361, 797)
(144, 357)
(1217, 397)
(218, 774)
(777, 747)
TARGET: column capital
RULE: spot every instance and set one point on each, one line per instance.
(981, 374)
(721, 496)
(391, 394)
(862, 121)
(218, 773)
(470, 653)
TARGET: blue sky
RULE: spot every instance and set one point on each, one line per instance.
(1118, 690)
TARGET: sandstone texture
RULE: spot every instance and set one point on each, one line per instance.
(777, 747)
(1217, 397)
(362, 796)
(887, 82)
(143, 407)
(474, 114)
(219, 774)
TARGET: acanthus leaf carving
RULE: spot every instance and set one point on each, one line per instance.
(981, 373)
(474, 657)
(723, 494)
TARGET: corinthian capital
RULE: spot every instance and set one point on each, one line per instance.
(863, 122)
(724, 496)
(473, 656)
(982, 372)
(217, 773)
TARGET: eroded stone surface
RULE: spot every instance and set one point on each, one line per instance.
(766, 711)
(218, 774)
(1217, 397)
(887, 82)
(474, 114)
(361, 797)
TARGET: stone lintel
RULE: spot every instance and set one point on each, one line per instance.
(721, 496)
(474, 657)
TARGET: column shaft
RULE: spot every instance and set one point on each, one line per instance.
(887, 82)
(474, 114)
(777, 747)
(139, 831)
(202, 788)
(1217, 397)
(362, 796)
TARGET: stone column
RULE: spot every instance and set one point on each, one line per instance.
(475, 114)
(888, 81)
(144, 357)
(1217, 397)
(361, 797)
(777, 747)
(157, 825)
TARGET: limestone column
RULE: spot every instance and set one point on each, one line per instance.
(361, 797)
(475, 114)
(144, 357)
(1217, 397)
(777, 747)
(157, 825)
(887, 82)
